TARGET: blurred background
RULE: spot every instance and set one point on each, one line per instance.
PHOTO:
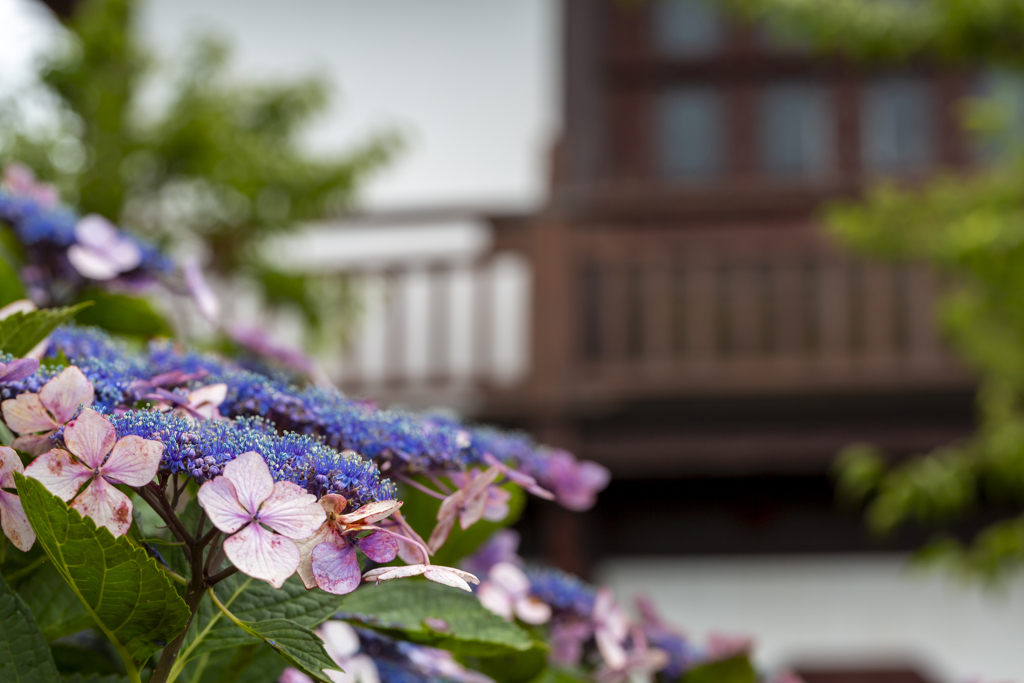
(602, 222)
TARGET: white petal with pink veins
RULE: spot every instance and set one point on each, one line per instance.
(26, 414)
(134, 461)
(34, 444)
(263, 555)
(63, 394)
(92, 264)
(15, 523)
(220, 501)
(291, 511)
(324, 534)
(90, 436)
(251, 477)
(61, 474)
(9, 464)
(448, 577)
(372, 512)
(105, 505)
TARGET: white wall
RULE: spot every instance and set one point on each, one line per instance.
(836, 609)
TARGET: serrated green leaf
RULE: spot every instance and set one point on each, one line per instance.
(57, 609)
(24, 655)
(22, 331)
(128, 596)
(252, 600)
(296, 644)
(732, 670)
(124, 315)
(399, 609)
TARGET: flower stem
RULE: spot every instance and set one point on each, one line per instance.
(418, 486)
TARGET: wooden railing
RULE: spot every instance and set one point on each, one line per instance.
(650, 315)
(749, 311)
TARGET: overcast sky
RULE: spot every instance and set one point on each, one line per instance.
(471, 84)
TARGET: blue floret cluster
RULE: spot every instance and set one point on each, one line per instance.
(561, 590)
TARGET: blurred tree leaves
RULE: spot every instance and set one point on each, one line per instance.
(222, 163)
(969, 228)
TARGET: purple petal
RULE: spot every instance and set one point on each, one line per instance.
(92, 264)
(336, 568)
(206, 300)
(380, 546)
(19, 368)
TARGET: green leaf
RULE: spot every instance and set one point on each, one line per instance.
(24, 655)
(732, 670)
(96, 678)
(71, 659)
(57, 609)
(10, 285)
(257, 663)
(298, 645)
(22, 331)
(399, 609)
(519, 667)
(420, 510)
(124, 315)
(131, 600)
(252, 600)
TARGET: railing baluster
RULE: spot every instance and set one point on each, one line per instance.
(922, 339)
(790, 323)
(395, 351)
(744, 300)
(483, 322)
(657, 312)
(833, 299)
(439, 323)
(879, 314)
(700, 309)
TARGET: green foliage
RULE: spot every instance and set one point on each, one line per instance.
(10, 285)
(970, 230)
(410, 610)
(123, 315)
(953, 31)
(20, 332)
(296, 644)
(222, 163)
(126, 593)
(254, 601)
(24, 654)
(732, 670)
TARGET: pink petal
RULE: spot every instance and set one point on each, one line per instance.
(291, 675)
(497, 507)
(220, 500)
(372, 512)
(206, 399)
(14, 522)
(336, 568)
(441, 532)
(19, 368)
(202, 294)
(388, 573)
(447, 577)
(91, 263)
(509, 578)
(324, 534)
(291, 511)
(251, 477)
(495, 600)
(611, 650)
(263, 555)
(61, 474)
(106, 506)
(95, 231)
(380, 546)
(34, 444)
(90, 436)
(25, 414)
(134, 461)
(333, 503)
(9, 463)
(63, 394)
(532, 611)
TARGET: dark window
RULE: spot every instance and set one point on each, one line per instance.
(689, 133)
(687, 28)
(797, 133)
(896, 126)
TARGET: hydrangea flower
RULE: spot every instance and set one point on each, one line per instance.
(329, 555)
(638, 665)
(12, 514)
(91, 438)
(20, 180)
(506, 592)
(36, 417)
(468, 504)
(18, 369)
(243, 500)
(102, 252)
(575, 484)
(200, 404)
(611, 626)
